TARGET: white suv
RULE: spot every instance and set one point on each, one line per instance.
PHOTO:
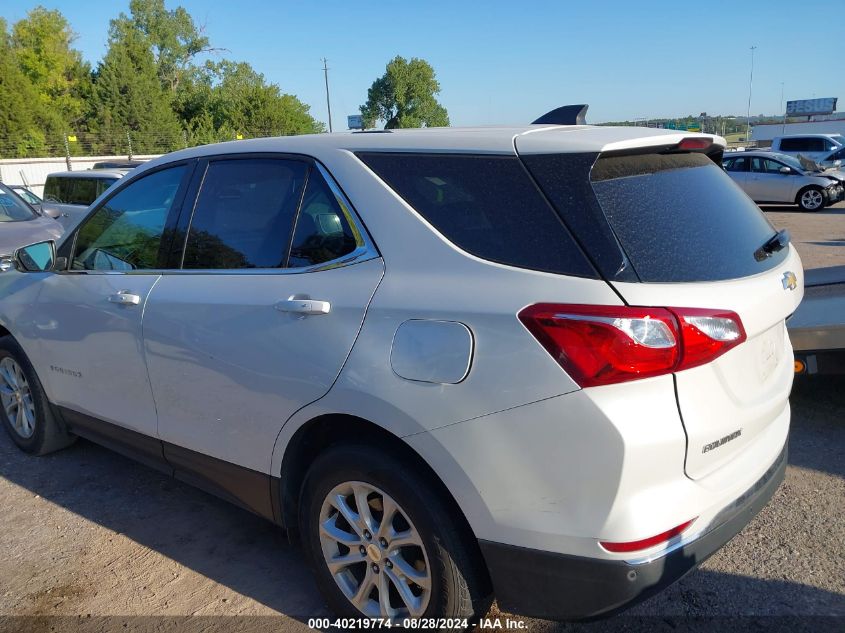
(545, 363)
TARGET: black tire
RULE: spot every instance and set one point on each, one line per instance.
(460, 586)
(49, 433)
(800, 199)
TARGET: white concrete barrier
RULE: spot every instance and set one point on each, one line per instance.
(33, 172)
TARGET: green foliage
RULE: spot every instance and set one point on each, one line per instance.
(20, 127)
(147, 88)
(405, 97)
(128, 98)
(227, 98)
(172, 36)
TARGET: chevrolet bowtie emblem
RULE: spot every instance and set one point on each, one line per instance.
(789, 281)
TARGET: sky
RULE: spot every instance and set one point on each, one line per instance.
(509, 62)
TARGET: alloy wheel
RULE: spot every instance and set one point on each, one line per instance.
(374, 553)
(16, 398)
(811, 199)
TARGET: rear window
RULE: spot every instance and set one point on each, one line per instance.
(485, 205)
(680, 218)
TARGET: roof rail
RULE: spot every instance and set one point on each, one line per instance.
(565, 115)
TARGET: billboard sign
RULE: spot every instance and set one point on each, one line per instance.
(806, 107)
(355, 122)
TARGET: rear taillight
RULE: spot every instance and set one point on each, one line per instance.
(602, 345)
(657, 539)
(695, 142)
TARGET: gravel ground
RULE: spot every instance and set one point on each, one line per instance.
(92, 541)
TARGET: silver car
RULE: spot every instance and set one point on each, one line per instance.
(771, 177)
(20, 224)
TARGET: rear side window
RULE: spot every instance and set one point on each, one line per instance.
(486, 205)
(802, 144)
(680, 218)
(244, 214)
(323, 230)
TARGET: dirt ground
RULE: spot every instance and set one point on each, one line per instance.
(92, 541)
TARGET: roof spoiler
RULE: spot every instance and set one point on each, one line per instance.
(565, 115)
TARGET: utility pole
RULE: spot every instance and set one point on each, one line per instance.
(783, 121)
(748, 113)
(328, 100)
(129, 143)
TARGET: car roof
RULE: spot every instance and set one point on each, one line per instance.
(90, 173)
(490, 140)
(809, 135)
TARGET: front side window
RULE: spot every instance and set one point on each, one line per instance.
(244, 214)
(737, 164)
(765, 166)
(323, 231)
(125, 233)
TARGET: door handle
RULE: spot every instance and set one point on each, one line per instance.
(125, 298)
(304, 306)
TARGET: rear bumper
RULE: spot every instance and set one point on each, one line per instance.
(562, 587)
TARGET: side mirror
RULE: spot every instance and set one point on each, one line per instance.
(36, 258)
(785, 170)
(50, 212)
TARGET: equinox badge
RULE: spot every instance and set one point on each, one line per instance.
(789, 281)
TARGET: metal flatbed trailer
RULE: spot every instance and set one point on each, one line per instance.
(817, 329)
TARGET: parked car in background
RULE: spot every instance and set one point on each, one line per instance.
(813, 146)
(118, 164)
(546, 363)
(27, 195)
(775, 178)
(835, 159)
(21, 224)
(68, 194)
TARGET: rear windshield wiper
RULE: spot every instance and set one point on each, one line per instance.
(779, 241)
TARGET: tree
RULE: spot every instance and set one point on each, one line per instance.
(128, 98)
(20, 131)
(42, 46)
(171, 34)
(226, 98)
(405, 97)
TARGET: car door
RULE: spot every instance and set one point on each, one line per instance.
(276, 276)
(766, 183)
(737, 169)
(89, 316)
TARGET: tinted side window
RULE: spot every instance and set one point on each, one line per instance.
(244, 214)
(486, 205)
(51, 190)
(103, 184)
(323, 231)
(794, 145)
(125, 233)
